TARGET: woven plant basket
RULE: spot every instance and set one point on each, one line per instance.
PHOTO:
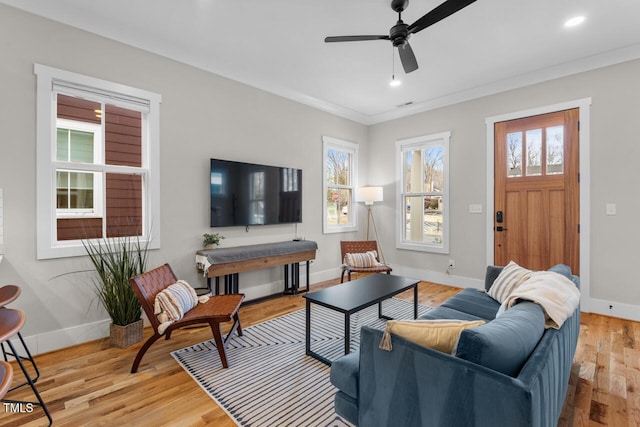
(125, 336)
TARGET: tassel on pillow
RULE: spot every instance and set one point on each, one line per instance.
(385, 342)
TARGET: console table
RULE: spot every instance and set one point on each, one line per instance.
(229, 262)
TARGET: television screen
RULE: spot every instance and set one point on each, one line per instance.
(252, 194)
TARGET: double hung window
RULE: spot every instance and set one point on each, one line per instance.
(340, 162)
(97, 157)
(423, 169)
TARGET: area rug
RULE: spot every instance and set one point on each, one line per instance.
(270, 381)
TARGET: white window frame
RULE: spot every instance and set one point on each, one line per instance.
(329, 143)
(403, 145)
(117, 94)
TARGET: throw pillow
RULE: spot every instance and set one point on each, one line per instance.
(361, 260)
(507, 281)
(438, 334)
(173, 302)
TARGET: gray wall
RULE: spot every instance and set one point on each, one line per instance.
(203, 116)
(614, 150)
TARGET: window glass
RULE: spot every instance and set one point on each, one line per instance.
(534, 152)
(555, 150)
(514, 154)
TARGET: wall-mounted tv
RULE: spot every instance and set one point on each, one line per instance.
(252, 194)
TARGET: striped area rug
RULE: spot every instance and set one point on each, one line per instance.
(270, 381)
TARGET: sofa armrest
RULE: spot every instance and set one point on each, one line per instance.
(416, 386)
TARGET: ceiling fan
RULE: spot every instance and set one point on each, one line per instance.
(399, 34)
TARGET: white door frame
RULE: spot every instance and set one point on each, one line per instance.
(584, 105)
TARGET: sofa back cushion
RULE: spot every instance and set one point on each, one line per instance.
(504, 344)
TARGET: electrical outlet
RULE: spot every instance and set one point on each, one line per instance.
(451, 264)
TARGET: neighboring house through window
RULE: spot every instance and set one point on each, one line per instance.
(340, 162)
(98, 162)
(423, 189)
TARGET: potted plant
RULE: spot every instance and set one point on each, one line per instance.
(116, 260)
(210, 241)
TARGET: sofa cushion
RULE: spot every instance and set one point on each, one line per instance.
(507, 281)
(438, 334)
(504, 344)
(344, 373)
(474, 302)
(448, 313)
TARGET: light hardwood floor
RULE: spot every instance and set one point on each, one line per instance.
(90, 384)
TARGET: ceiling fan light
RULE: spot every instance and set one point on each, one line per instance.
(394, 82)
(575, 21)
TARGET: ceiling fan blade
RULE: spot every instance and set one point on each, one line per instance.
(354, 38)
(408, 59)
(446, 9)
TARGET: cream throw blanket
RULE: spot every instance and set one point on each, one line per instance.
(558, 296)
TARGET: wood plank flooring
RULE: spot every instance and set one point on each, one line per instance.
(90, 384)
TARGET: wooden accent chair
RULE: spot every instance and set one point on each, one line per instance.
(356, 247)
(219, 308)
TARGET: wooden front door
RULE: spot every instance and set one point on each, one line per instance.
(536, 212)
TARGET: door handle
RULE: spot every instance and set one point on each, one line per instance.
(500, 228)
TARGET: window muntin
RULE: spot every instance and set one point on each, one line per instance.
(97, 162)
(339, 169)
(423, 184)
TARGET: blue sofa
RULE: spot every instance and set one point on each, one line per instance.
(510, 371)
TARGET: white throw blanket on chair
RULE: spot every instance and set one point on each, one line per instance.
(558, 296)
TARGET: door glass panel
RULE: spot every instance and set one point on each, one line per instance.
(514, 154)
(534, 151)
(555, 150)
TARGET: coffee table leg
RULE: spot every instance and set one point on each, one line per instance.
(308, 329)
(347, 330)
(415, 301)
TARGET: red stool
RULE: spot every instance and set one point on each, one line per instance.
(11, 321)
(8, 294)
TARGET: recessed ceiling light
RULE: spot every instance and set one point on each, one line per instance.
(577, 20)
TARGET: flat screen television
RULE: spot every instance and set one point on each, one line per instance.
(252, 194)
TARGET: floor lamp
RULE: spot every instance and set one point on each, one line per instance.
(369, 195)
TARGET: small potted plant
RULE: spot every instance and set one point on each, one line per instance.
(210, 241)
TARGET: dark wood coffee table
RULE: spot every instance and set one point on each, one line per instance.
(350, 297)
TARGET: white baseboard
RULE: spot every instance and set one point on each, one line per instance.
(61, 338)
(67, 337)
(437, 277)
(614, 309)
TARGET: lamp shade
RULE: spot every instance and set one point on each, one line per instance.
(369, 194)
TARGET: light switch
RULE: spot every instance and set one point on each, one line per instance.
(474, 208)
(611, 208)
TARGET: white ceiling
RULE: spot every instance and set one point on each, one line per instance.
(278, 45)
